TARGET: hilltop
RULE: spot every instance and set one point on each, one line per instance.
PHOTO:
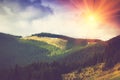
(41, 47)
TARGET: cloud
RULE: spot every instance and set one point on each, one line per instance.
(17, 6)
(60, 23)
(16, 15)
(36, 17)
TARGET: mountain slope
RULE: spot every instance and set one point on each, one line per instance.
(112, 53)
(44, 48)
(60, 43)
(109, 69)
(86, 54)
(81, 59)
(94, 73)
(13, 51)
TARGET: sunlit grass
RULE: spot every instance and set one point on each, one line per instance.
(60, 43)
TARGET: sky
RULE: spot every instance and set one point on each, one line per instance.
(95, 19)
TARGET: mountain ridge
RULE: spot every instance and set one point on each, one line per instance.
(64, 39)
(82, 59)
(13, 49)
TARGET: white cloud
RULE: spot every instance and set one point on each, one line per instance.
(30, 13)
(28, 21)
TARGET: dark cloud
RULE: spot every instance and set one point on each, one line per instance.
(17, 6)
(1, 0)
(59, 1)
(29, 2)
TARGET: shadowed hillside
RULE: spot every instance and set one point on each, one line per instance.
(107, 68)
(112, 53)
(58, 57)
(14, 50)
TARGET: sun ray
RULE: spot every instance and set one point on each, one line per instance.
(101, 11)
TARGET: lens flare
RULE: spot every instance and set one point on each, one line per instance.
(92, 18)
(100, 11)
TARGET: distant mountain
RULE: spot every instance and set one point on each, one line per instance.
(57, 42)
(53, 36)
(64, 37)
(71, 42)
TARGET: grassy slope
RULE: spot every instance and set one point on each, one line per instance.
(15, 50)
(60, 43)
(95, 73)
(111, 74)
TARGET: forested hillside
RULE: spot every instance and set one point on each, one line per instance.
(108, 67)
(80, 59)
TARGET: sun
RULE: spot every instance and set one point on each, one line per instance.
(98, 11)
(91, 18)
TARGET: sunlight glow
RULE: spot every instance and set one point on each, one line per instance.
(96, 16)
(104, 9)
(92, 18)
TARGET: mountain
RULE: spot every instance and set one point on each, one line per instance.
(61, 41)
(112, 52)
(43, 47)
(57, 42)
(107, 68)
(58, 57)
(76, 49)
(53, 36)
(95, 72)
(15, 50)
(88, 55)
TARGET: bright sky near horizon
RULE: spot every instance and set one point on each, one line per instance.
(98, 19)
